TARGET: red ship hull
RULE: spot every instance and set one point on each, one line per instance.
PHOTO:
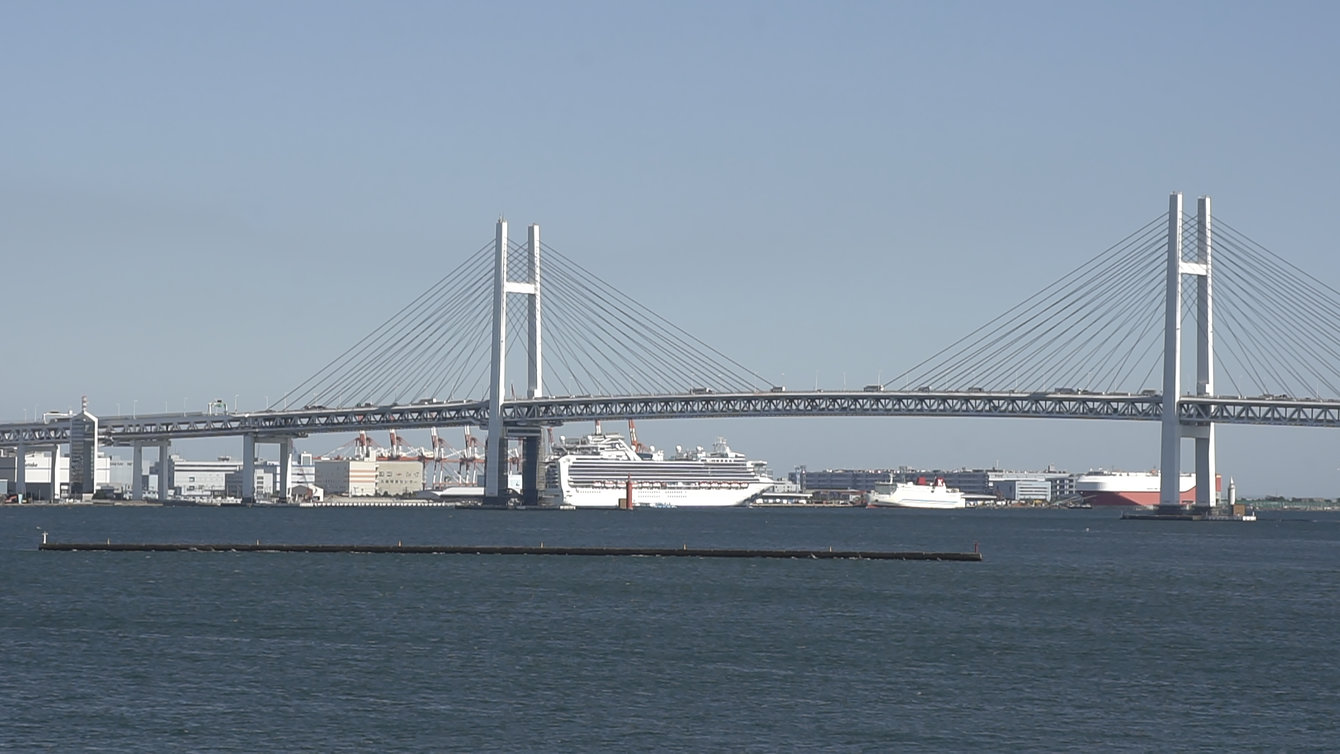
(1132, 499)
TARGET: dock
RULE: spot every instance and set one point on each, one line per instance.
(655, 552)
(1139, 516)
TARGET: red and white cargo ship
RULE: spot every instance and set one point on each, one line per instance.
(1130, 488)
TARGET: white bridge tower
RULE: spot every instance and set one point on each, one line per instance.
(496, 492)
(1170, 473)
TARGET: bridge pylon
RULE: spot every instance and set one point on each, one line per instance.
(496, 492)
(1173, 430)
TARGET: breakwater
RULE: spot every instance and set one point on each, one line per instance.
(663, 552)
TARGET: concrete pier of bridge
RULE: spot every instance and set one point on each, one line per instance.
(21, 470)
(137, 469)
(249, 443)
(164, 460)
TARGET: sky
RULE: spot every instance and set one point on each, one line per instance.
(211, 200)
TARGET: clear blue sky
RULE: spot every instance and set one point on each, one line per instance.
(203, 200)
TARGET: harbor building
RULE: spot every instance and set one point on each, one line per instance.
(301, 474)
(121, 474)
(38, 477)
(981, 483)
(194, 480)
(839, 479)
(301, 477)
(348, 477)
(399, 477)
(1046, 485)
(1024, 489)
(264, 481)
(201, 480)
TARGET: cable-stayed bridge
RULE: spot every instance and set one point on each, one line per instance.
(1102, 342)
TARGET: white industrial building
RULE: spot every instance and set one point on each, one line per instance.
(197, 479)
(1022, 488)
(222, 477)
(264, 482)
(347, 477)
(399, 477)
(189, 479)
(37, 473)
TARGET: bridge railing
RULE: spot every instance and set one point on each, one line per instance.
(555, 410)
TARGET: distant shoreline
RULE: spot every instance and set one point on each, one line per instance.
(1283, 506)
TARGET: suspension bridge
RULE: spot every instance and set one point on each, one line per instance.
(1103, 342)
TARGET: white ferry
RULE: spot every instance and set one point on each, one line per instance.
(917, 494)
(598, 470)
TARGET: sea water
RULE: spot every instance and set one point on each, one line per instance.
(1079, 631)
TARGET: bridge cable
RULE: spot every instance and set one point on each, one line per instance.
(1019, 325)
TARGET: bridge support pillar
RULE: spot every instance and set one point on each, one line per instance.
(137, 471)
(21, 471)
(1207, 479)
(248, 469)
(55, 476)
(285, 463)
(164, 469)
(530, 471)
(497, 491)
(495, 448)
(530, 445)
(1170, 461)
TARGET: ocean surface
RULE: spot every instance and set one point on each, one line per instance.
(1079, 631)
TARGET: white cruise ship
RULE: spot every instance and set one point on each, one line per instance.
(597, 471)
(915, 495)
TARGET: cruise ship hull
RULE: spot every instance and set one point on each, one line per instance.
(600, 471)
(656, 497)
(914, 503)
(1132, 498)
(1130, 489)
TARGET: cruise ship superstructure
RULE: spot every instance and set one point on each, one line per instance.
(596, 471)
